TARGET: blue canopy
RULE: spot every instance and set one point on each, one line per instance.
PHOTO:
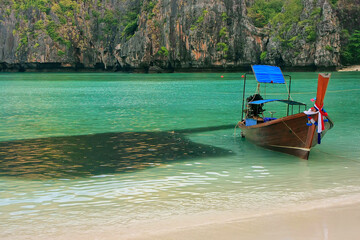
(268, 74)
(277, 100)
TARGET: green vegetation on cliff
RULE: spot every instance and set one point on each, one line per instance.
(163, 51)
(130, 23)
(199, 20)
(283, 17)
(263, 11)
(69, 23)
(351, 51)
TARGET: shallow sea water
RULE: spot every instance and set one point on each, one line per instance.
(84, 151)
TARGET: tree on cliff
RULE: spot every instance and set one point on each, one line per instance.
(351, 53)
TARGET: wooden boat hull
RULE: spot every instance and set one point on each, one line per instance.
(289, 134)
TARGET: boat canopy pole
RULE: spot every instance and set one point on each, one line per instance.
(243, 102)
(242, 111)
(287, 113)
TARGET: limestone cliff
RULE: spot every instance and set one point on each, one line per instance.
(165, 35)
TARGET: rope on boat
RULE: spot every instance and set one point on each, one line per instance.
(285, 125)
(293, 132)
(235, 130)
(236, 126)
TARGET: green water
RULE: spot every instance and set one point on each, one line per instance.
(92, 150)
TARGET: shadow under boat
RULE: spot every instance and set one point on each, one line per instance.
(103, 153)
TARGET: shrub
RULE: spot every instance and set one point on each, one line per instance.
(199, 20)
(201, 17)
(8, 12)
(42, 5)
(56, 8)
(224, 16)
(111, 22)
(130, 22)
(39, 25)
(310, 30)
(221, 46)
(163, 52)
(350, 54)
(329, 48)
(333, 2)
(289, 17)
(24, 40)
(263, 11)
(223, 32)
(263, 55)
(149, 7)
(316, 11)
(51, 30)
(61, 53)
(95, 13)
(67, 5)
(68, 44)
(130, 28)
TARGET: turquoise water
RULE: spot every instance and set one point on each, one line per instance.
(92, 150)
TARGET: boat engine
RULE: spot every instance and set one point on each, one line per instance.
(254, 110)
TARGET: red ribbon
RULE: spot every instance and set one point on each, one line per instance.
(322, 113)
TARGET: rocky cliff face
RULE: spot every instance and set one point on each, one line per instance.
(164, 35)
(62, 34)
(311, 40)
(191, 34)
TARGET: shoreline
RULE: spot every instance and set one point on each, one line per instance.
(100, 68)
(326, 220)
(59, 68)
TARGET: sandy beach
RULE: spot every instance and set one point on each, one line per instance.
(334, 222)
(330, 223)
(353, 68)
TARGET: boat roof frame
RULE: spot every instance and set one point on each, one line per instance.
(252, 73)
(289, 102)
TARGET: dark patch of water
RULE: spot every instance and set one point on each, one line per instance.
(105, 153)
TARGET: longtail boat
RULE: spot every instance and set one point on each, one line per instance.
(293, 134)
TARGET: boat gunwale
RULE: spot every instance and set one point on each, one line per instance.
(278, 120)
